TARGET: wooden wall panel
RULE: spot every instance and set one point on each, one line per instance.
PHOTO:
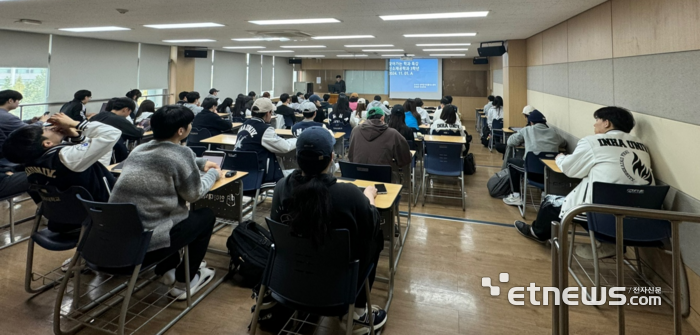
(554, 44)
(496, 63)
(514, 94)
(642, 27)
(375, 64)
(517, 53)
(534, 50)
(184, 70)
(353, 64)
(590, 34)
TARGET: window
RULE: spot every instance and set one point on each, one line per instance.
(156, 96)
(32, 83)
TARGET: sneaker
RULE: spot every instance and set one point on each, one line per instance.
(526, 230)
(168, 278)
(513, 200)
(604, 250)
(361, 323)
(66, 264)
(203, 277)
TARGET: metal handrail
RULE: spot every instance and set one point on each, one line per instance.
(560, 278)
(21, 110)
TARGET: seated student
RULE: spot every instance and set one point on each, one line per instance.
(193, 102)
(447, 121)
(134, 95)
(325, 104)
(373, 142)
(424, 116)
(300, 97)
(162, 204)
(412, 116)
(322, 112)
(538, 137)
(496, 112)
(225, 106)
(147, 108)
(286, 112)
(238, 113)
(116, 117)
(489, 104)
(398, 122)
(294, 103)
(312, 203)
(259, 136)
(9, 101)
(209, 119)
(361, 110)
(342, 115)
(48, 160)
(612, 155)
(183, 98)
(309, 110)
(354, 97)
(443, 102)
(526, 112)
(75, 109)
(249, 101)
(377, 102)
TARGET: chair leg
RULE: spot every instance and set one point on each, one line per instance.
(424, 187)
(188, 292)
(127, 297)
(255, 203)
(464, 200)
(59, 299)
(256, 313)
(523, 195)
(369, 308)
(348, 325)
(595, 260)
(12, 220)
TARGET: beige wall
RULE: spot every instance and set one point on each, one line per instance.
(624, 28)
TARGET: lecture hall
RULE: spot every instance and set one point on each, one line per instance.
(349, 167)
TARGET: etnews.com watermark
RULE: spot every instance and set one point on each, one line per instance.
(613, 296)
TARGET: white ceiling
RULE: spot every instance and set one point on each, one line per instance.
(508, 19)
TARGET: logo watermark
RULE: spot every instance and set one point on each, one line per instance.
(614, 296)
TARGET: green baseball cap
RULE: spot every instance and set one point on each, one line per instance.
(375, 111)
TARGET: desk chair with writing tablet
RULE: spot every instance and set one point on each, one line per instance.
(246, 161)
(197, 135)
(532, 176)
(443, 160)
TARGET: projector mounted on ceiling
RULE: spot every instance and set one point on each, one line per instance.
(406, 57)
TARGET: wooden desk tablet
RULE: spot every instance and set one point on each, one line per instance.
(338, 135)
(508, 131)
(552, 164)
(483, 116)
(221, 139)
(148, 133)
(445, 139)
(223, 114)
(382, 201)
(284, 132)
(224, 181)
(236, 125)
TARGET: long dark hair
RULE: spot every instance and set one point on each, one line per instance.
(398, 117)
(310, 207)
(239, 108)
(146, 106)
(342, 107)
(410, 106)
(134, 94)
(227, 103)
(449, 114)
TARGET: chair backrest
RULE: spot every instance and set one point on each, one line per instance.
(198, 150)
(289, 121)
(246, 161)
(443, 159)
(378, 173)
(312, 277)
(116, 240)
(497, 125)
(197, 135)
(447, 132)
(62, 207)
(120, 152)
(634, 229)
(533, 163)
(338, 124)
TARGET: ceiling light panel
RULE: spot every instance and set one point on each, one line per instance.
(257, 39)
(440, 35)
(309, 56)
(369, 46)
(184, 25)
(382, 50)
(352, 56)
(444, 45)
(302, 46)
(276, 51)
(447, 55)
(294, 21)
(201, 40)
(246, 47)
(93, 29)
(409, 55)
(457, 49)
(433, 16)
(344, 37)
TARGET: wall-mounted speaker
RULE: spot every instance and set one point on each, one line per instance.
(480, 60)
(491, 50)
(196, 53)
(294, 60)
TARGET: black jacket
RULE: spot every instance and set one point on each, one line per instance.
(248, 104)
(129, 130)
(322, 113)
(212, 122)
(341, 86)
(288, 114)
(74, 110)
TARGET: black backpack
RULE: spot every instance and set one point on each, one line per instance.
(249, 247)
(469, 164)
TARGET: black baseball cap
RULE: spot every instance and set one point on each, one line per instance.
(211, 91)
(314, 150)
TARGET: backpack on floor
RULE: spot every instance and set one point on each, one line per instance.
(469, 164)
(273, 315)
(249, 247)
(499, 184)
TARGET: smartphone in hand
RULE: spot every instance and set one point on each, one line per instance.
(381, 189)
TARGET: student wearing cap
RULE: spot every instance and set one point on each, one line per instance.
(377, 102)
(373, 142)
(312, 202)
(286, 112)
(526, 112)
(320, 113)
(259, 136)
(361, 110)
(538, 137)
(213, 93)
(309, 110)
